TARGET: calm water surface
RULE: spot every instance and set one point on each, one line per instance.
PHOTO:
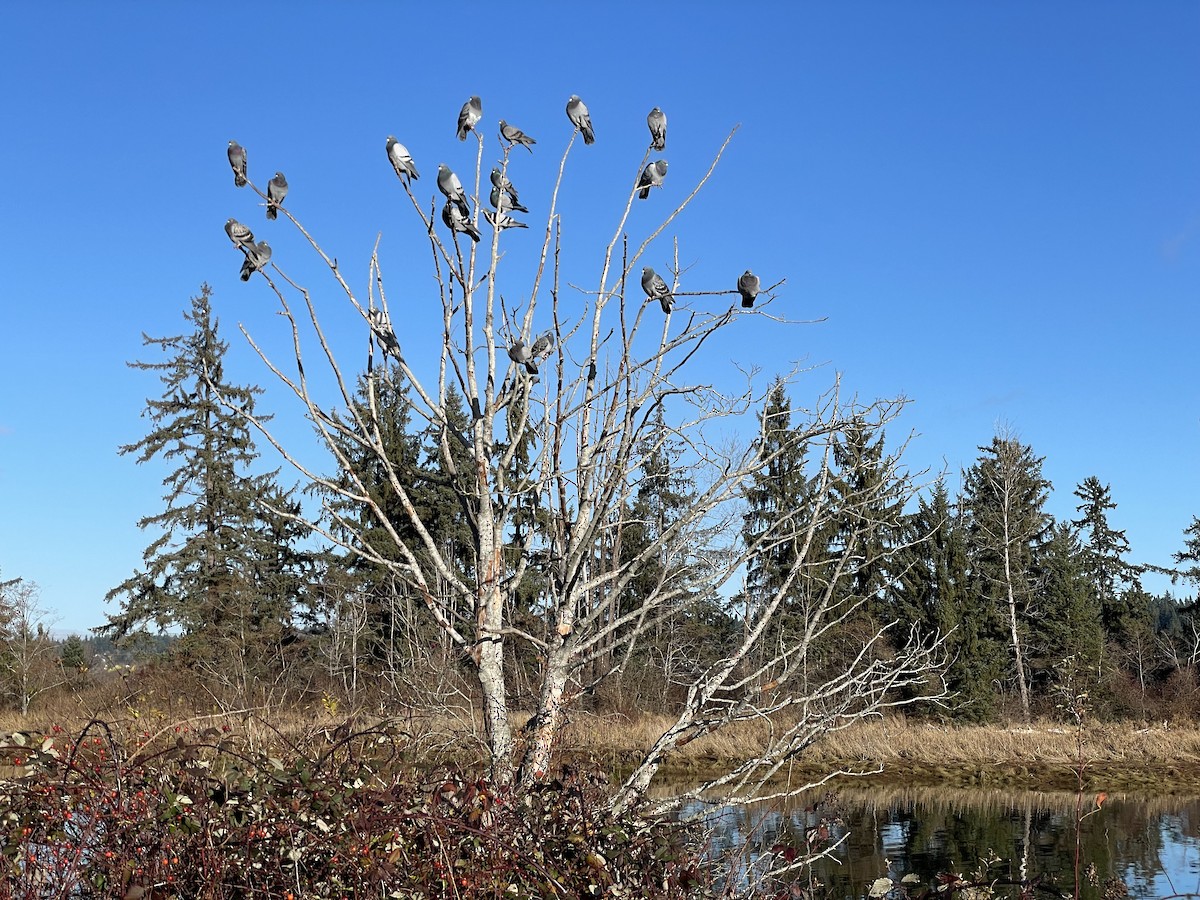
(1152, 843)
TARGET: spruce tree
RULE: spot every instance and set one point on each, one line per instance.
(1004, 497)
(225, 569)
(1102, 552)
(777, 493)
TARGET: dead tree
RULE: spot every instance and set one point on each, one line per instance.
(604, 369)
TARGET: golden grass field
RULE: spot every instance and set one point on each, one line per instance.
(1044, 755)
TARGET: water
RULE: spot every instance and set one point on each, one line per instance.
(1151, 844)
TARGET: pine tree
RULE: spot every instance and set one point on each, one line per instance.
(778, 492)
(1103, 551)
(225, 569)
(1071, 632)
(1004, 495)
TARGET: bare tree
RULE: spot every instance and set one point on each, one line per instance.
(546, 468)
(29, 657)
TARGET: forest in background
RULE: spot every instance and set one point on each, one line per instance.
(233, 591)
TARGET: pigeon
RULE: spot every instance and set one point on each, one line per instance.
(401, 161)
(657, 121)
(500, 220)
(748, 288)
(277, 189)
(237, 159)
(530, 357)
(472, 112)
(504, 201)
(578, 114)
(381, 325)
(542, 347)
(656, 289)
(500, 180)
(522, 356)
(256, 259)
(241, 236)
(515, 135)
(652, 176)
(457, 221)
(449, 185)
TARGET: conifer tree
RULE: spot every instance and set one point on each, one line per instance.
(1102, 552)
(1004, 497)
(778, 491)
(225, 569)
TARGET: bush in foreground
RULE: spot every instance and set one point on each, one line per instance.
(187, 813)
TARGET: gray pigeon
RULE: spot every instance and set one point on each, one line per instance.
(500, 180)
(522, 356)
(578, 114)
(652, 176)
(241, 236)
(401, 161)
(515, 135)
(237, 159)
(748, 288)
(256, 259)
(456, 221)
(449, 185)
(381, 325)
(542, 347)
(500, 221)
(472, 112)
(657, 121)
(656, 289)
(504, 202)
(277, 189)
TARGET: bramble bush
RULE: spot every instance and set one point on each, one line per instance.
(185, 812)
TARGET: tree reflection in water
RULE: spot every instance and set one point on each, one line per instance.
(1151, 843)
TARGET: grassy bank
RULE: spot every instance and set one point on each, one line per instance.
(1045, 756)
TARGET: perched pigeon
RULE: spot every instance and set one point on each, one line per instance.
(381, 325)
(472, 112)
(237, 159)
(515, 135)
(522, 356)
(256, 259)
(531, 357)
(656, 289)
(657, 121)
(241, 236)
(748, 288)
(652, 176)
(456, 221)
(578, 114)
(276, 191)
(500, 180)
(449, 185)
(504, 202)
(501, 221)
(401, 161)
(542, 347)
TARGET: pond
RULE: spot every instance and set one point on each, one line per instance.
(1151, 843)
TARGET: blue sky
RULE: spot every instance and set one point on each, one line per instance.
(994, 206)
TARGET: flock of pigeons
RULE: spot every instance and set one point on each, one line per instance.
(456, 214)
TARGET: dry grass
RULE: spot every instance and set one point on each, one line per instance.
(1045, 755)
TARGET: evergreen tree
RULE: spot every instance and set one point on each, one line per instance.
(778, 492)
(1102, 552)
(1191, 552)
(1071, 631)
(225, 569)
(1004, 497)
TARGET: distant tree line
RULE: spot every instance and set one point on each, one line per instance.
(1034, 609)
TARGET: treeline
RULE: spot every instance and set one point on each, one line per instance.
(263, 601)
